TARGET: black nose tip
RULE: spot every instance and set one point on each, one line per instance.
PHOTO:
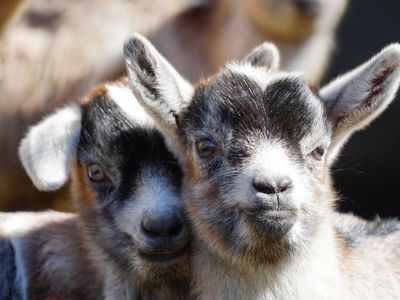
(308, 7)
(169, 225)
(266, 186)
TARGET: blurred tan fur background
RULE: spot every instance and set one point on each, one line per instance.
(53, 51)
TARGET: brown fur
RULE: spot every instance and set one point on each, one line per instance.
(79, 186)
(8, 10)
(99, 91)
(222, 30)
(51, 54)
(104, 251)
(58, 263)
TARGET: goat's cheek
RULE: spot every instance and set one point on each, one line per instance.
(202, 206)
(193, 173)
(200, 199)
(84, 194)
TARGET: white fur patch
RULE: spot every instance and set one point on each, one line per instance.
(47, 149)
(124, 98)
(271, 162)
(13, 224)
(261, 76)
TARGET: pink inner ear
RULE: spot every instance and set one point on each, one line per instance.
(339, 118)
(378, 85)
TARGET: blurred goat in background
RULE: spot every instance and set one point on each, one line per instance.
(207, 36)
(54, 51)
(52, 54)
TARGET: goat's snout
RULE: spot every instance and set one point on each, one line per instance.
(167, 225)
(166, 237)
(264, 185)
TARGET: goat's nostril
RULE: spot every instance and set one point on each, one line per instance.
(263, 186)
(175, 229)
(284, 185)
(162, 226)
(272, 187)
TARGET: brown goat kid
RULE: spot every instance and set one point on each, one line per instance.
(257, 146)
(128, 239)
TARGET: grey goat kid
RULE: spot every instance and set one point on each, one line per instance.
(257, 145)
(128, 239)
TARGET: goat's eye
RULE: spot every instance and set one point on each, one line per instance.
(96, 173)
(318, 153)
(205, 148)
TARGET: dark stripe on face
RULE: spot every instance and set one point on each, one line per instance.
(123, 148)
(235, 107)
(129, 154)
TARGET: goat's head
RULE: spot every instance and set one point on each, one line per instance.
(257, 143)
(125, 182)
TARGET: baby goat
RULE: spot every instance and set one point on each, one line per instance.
(257, 146)
(129, 237)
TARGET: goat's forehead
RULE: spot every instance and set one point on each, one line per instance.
(251, 99)
(116, 127)
(115, 100)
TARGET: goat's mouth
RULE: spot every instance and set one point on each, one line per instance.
(168, 256)
(271, 222)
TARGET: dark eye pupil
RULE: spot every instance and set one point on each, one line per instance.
(205, 148)
(95, 173)
(318, 153)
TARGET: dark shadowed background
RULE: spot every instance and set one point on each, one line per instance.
(367, 174)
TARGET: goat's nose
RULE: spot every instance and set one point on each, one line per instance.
(168, 225)
(265, 186)
(308, 7)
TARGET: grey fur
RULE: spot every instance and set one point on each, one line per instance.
(281, 239)
(103, 251)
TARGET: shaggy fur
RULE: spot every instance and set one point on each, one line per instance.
(51, 54)
(123, 179)
(257, 147)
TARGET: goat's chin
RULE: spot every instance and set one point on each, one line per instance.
(163, 271)
(249, 244)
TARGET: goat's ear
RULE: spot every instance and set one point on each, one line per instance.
(47, 150)
(355, 99)
(157, 85)
(264, 55)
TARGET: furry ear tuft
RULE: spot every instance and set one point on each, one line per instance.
(355, 99)
(264, 55)
(162, 91)
(141, 64)
(46, 151)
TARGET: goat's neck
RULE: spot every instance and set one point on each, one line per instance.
(127, 285)
(119, 286)
(312, 274)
